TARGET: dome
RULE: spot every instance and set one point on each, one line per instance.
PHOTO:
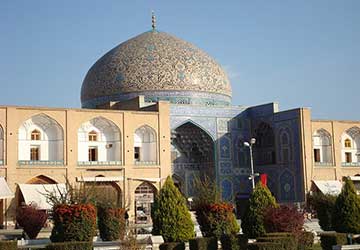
(160, 67)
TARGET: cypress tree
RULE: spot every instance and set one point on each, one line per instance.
(252, 222)
(346, 214)
(170, 215)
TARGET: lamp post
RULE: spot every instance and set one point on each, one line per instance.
(250, 145)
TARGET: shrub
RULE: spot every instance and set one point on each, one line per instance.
(346, 213)
(31, 219)
(305, 240)
(206, 243)
(172, 246)
(170, 215)
(70, 246)
(217, 219)
(264, 246)
(8, 245)
(331, 239)
(253, 220)
(323, 205)
(111, 223)
(286, 243)
(229, 242)
(283, 219)
(73, 223)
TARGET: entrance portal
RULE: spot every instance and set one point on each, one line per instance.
(192, 156)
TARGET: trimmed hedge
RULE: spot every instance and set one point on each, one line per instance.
(8, 245)
(286, 243)
(264, 246)
(229, 242)
(172, 246)
(305, 240)
(331, 239)
(206, 243)
(70, 246)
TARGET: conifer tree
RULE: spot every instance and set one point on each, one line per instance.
(346, 214)
(252, 222)
(170, 215)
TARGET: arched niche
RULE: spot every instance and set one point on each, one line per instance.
(145, 146)
(47, 147)
(99, 142)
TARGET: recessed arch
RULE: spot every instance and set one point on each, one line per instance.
(41, 140)
(2, 148)
(41, 179)
(145, 145)
(144, 197)
(322, 146)
(350, 146)
(193, 154)
(264, 148)
(99, 142)
(195, 124)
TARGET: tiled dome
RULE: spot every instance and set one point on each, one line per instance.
(160, 67)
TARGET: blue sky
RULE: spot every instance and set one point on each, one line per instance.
(298, 53)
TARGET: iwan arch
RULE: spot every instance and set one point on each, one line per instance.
(156, 106)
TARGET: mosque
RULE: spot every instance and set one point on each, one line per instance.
(155, 106)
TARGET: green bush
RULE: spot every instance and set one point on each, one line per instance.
(70, 246)
(323, 205)
(8, 245)
(331, 239)
(346, 213)
(172, 246)
(286, 243)
(305, 240)
(264, 246)
(253, 220)
(205, 243)
(170, 215)
(111, 222)
(229, 242)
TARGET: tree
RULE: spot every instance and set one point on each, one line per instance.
(170, 215)
(346, 214)
(31, 219)
(323, 205)
(283, 219)
(252, 222)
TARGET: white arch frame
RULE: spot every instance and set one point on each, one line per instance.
(2, 147)
(145, 146)
(50, 147)
(106, 149)
(350, 156)
(322, 145)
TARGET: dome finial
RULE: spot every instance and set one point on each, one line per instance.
(153, 20)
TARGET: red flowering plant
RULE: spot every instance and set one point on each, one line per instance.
(215, 217)
(31, 219)
(73, 213)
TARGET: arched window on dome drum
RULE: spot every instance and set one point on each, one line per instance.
(145, 146)
(322, 147)
(350, 147)
(35, 135)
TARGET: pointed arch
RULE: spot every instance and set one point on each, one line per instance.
(350, 146)
(145, 146)
(195, 124)
(2, 147)
(286, 144)
(99, 142)
(322, 147)
(144, 197)
(41, 141)
(41, 179)
(264, 149)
